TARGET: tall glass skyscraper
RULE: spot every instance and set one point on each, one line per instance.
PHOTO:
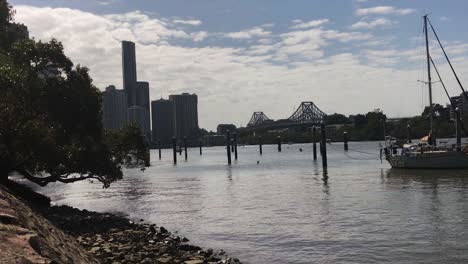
(129, 71)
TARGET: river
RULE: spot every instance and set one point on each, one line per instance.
(283, 210)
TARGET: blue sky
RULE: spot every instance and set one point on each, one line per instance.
(347, 56)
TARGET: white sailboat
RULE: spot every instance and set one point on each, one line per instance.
(426, 155)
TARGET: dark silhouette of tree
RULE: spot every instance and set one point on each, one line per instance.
(50, 116)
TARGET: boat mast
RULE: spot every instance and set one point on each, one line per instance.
(429, 81)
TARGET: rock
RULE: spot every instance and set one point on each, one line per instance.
(164, 260)
(8, 219)
(37, 244)
(94, 250)
(23, 260)
(185, 239)
(196, 261)
(146, 261)
(163, 230)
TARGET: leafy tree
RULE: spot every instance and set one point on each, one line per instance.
(50, 117)
(336, 119)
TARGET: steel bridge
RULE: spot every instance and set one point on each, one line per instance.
(305, 115)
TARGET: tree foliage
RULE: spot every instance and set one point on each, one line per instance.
(50, 117)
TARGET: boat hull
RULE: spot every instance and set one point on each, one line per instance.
(444, 160)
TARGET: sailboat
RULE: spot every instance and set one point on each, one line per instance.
(426, 155)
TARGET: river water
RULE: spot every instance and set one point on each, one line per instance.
(283, 209)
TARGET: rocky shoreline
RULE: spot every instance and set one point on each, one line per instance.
(114, 239)
(62, 234)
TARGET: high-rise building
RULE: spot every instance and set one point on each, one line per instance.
(142, 99)
(129, 71)
(185, 114)
(114, 108)
(162, 115)
(137, 115)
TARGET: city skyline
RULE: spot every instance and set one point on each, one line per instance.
(362, 56)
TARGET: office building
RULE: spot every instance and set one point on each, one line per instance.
(162, 115)
(114, 108)
(129, 71)
(142, 99)
(185, 115)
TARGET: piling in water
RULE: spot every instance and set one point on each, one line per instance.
(260, 145)
(185, 147)
(314, 140)
(228, 146)
(235, 145)
(345, 140)
(174, 149)
(159, 148)
(201, 144)
(278, 140)
(323, 146)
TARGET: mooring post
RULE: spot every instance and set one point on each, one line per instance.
(185, 147)
(408, 128)
(174, 149)
(232, 144)
(345, 140)
(314, 139)
(235, 145)
(201, 144)
(260, 145)
(278, 139)
(159, 148)
(228, 146)
(458, 132)
(324, 146)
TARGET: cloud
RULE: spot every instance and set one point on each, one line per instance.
(313, 23)
(187, 22)
(248, 33)
(199, 36)
(444, 18)
(380, 22)
(383, 10)
(272, 72)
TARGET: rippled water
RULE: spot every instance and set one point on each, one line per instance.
(283, 211)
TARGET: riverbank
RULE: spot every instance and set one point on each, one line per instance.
(70, 235)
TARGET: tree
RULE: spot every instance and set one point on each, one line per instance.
(50, 118)
(336, 119)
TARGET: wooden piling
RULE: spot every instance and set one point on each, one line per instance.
(174, 149)
(314, 139)
(278, 140)
(235, 145)
(185, 147)
(408, 128)
(201, 144)
(228, 146)
(159, 148)
(345, 140)
(324, 146)
(260, 145)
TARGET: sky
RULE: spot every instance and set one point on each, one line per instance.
(241, 56)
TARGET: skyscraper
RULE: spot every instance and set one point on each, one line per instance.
(162, 115)
(185, 114)
(114, 108)
(142, 99)
(129, 71)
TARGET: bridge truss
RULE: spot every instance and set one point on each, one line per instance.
(308, 112)
(257, 119)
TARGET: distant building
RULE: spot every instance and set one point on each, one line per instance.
(214, 140)
(142, 99)
(460, 102)
(137, 115)
(114, 108)
(185, 115)
(223, 128)
(129, 71)
(162, 115)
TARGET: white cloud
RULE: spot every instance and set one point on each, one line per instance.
(199, 36)
(444, 18)
(192, 22)
(313, 23)
(248, 33)
(380, 22)
(272, 73)
(383, 10)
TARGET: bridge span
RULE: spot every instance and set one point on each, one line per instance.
(307, 114)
